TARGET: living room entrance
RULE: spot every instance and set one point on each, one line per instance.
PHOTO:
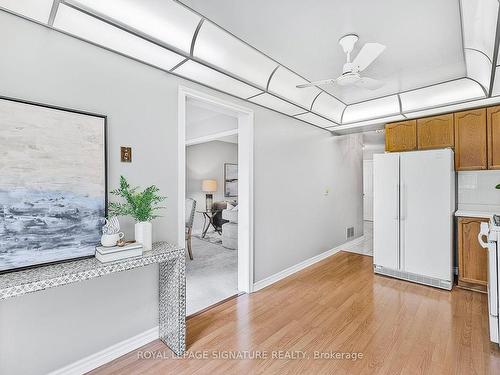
(212, 204)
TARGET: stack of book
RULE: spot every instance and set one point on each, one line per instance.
(110, 254)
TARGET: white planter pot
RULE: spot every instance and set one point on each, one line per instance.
(143, 234)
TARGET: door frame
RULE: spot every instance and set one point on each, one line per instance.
(245, 180)
(365, 163)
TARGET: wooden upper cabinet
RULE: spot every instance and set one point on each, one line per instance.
(493, 126)
(472, 258)
(470, 140)
(435, 132)
(401, 136)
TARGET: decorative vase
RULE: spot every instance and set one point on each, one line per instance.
(143, 234)
(110, 240)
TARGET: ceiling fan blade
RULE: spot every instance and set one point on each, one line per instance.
(367, 55)
(312, 84)
(369, 83)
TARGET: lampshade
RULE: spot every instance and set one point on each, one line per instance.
(209, 186)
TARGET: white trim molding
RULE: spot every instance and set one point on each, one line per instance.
(304, 264)
(108, 354)
(210, 137)
(245, 179)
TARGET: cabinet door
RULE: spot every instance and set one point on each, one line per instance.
(435, 132)
(470, 140)
(401, 136)
(493, 116)
(472, 258)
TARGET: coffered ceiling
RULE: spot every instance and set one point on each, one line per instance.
(423, 38)
(438, 53)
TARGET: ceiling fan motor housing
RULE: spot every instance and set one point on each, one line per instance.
(348, 41)
(348, 78)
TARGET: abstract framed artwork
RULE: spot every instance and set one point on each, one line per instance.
(53, 183)
(230, 180)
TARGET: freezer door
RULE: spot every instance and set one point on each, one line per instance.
(386, 210)
(427, 196)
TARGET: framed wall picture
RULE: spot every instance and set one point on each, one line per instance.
(53, 190)
(230, 180)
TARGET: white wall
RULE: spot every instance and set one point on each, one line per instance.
(294, 164)
(206, 161)
(370, 150)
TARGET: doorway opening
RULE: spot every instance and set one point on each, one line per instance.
(373, 143)
(215, 198)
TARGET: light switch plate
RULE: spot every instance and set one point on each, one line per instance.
(126, 154)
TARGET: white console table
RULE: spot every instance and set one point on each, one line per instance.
(172, 284)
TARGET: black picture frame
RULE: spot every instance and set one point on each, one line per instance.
(106, 185)
(227, 194)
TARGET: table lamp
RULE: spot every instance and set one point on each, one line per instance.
(209, 186)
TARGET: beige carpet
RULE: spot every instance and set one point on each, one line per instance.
(211, 276)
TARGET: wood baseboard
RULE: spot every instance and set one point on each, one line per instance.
(472, 286)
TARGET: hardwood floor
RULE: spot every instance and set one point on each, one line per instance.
(337, 305)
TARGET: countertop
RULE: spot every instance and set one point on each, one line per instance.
(474, 213)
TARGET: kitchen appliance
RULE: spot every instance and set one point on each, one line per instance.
(491, 231)
(414, 202)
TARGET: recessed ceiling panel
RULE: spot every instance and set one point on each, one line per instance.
(38, 10)
(284, 83)
(371, 109)
(478, 67)
(223, 50)
(362, 124)
(423, 38)
(316, 120)
(213, 78)
(89, 28)
(271, 101)
(329, 107)
(164, 20)
(445, 93)
(479, 18)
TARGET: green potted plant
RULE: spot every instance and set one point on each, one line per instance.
(141, 206)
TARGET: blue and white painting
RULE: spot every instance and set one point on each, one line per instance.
(52, 184)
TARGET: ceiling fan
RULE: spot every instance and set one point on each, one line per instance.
(351, 71)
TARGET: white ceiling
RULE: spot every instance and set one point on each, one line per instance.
(448, 44)
(423, 38)
(204, 119)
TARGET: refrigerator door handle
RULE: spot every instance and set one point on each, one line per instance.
(396, 216)
(403, 202)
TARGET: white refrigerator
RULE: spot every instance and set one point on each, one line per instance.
(414, 203)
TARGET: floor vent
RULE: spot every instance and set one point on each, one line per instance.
(350, 232)
(403, 275)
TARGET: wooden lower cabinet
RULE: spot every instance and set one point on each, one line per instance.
(472, 258)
